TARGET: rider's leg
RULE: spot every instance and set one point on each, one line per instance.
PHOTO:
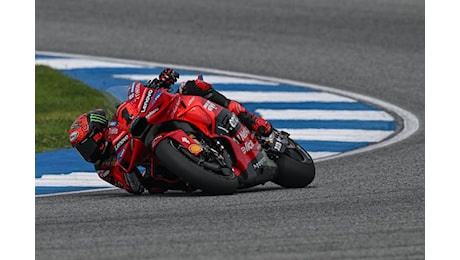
(256, 123)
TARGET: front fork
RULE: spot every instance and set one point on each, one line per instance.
(275, 144)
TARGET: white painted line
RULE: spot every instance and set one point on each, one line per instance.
(338, 135)
(80, 64)
(212, 79)
(84, 179)
(285, 97)
(307, 114)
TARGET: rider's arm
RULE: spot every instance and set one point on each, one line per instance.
(200, 88)
(192, 87)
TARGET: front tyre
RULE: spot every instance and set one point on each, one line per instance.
(176, 161)
(296, 167)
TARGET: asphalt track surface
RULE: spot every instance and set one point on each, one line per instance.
(369, 205)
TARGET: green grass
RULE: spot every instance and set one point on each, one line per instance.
(59, 100)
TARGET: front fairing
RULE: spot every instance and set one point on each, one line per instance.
(155, 106)
(130, 152)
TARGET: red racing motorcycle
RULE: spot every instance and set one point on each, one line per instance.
(206, 145)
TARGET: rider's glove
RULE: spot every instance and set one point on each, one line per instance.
(168, 77)
(154, 83)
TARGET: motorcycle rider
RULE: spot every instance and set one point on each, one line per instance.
(92, 136)
(89, 135)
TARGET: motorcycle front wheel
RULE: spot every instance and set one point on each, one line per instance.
(196, 171)
(296, 167)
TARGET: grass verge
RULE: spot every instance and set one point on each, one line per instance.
(59, 100)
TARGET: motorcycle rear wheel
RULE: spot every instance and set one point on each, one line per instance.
(296, 167)
(174, 159)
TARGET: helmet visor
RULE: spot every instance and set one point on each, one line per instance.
(89, 150)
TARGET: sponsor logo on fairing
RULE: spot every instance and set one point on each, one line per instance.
(243, 133)
(185, 140)
(247, 146)
(137, 90)
(156, 139)
(209, 105)
(151, 113)
(120, 143)
(176, 106)
(278, 146)
(195, 148)
(260, 163)
(233, 121)
(190, 101)
(157, 95)
(147, 99)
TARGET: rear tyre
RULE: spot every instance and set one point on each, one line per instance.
(296, 167)
(176, 161)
